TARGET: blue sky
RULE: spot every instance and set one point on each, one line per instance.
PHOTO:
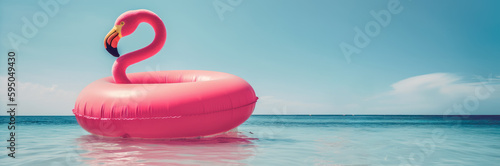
(426, 60)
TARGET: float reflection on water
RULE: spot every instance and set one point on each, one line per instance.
(225, 149)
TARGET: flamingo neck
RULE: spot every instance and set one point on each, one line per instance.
(123, 62)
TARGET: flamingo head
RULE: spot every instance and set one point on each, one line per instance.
(125, 25)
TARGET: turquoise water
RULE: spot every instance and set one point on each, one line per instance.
(270, 140)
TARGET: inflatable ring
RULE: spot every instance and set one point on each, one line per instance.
(165, 104)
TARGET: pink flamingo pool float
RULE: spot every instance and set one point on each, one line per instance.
(161, 104)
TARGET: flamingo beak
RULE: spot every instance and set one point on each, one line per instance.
(111, 41)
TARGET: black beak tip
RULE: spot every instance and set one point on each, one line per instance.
(113, 51)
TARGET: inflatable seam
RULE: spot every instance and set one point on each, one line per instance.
(167, 117)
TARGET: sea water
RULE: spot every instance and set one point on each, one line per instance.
(269, 140)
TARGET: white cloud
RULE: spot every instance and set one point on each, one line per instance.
(37, 99)
(434, 94)
(424, 94)
(423, 82)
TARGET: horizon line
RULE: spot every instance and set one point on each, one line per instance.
(315, 115)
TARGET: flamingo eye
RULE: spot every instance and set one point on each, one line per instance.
(122, 23)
